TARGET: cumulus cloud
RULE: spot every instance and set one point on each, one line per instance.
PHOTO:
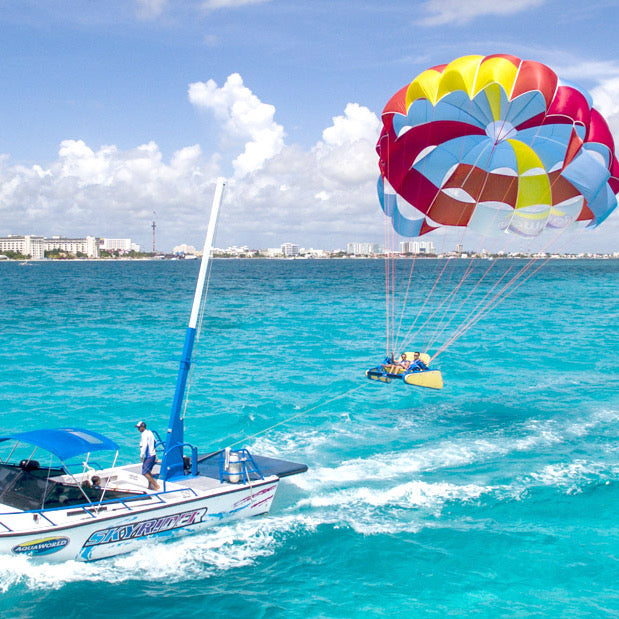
(318, 196)
(440, 12)
(244, 117)
(321, 196)
(106, 192)
(606, 100)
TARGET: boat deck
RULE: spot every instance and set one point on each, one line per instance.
(208, 465)
(208, 477)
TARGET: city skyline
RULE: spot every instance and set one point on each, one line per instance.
(113, 112)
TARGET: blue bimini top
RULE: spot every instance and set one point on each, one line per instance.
(65, 442)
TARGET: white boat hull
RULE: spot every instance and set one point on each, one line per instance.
(92, 536)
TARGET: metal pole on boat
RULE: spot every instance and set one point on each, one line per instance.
(172, 462)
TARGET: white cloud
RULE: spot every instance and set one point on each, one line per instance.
(229, 4)
(606, 101)
(106, 192)
(330, 190)
(149, 9)
(347, 153)
(244, 117)
(319, 196)
(358, 123)
(441, 12)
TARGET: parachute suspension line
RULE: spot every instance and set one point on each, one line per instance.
(441, 328)
(508, 289)
(410, 334)
(387, 300)
(394, 266)
(473, 290)
(389, 286)
(426, 301)
(453, 294)
(471, 318)
(441, 325)
(449, 296)
(404, 304)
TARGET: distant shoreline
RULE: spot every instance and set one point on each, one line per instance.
(489, 257)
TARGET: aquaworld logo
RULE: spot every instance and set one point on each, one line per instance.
(40, 547)
(145, 528)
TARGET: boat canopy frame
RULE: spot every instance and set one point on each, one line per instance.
(65, 443)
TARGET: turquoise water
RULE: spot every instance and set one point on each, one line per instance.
(496, 497)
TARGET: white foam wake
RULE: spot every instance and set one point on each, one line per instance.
(203, 555)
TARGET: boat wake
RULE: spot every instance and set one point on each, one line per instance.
(199, 556)
(383, 492)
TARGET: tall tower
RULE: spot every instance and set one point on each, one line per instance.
(154, 227)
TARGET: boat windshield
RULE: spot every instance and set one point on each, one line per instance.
(32, 489)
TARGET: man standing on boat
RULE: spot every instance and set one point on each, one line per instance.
(147, 454)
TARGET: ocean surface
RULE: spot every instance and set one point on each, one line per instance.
(495, 497)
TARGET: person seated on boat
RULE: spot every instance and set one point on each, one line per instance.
(148, 455)
(390, 365)
(397, 367)
(404, 363)
(96, 482)
(61, 493)
(417, 364)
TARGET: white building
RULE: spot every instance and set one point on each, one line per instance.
(289, 250)
(417, 247)
(271, 252)
(88, 246)
(184, 249)
(317, 253)
(28, 245)
(363, 249)
(121, 245)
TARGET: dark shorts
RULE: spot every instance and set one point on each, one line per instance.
(147, 465)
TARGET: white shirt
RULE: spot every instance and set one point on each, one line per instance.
(147, 445)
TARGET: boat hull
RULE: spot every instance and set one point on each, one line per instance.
(106, 535)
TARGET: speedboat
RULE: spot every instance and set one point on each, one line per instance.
(59, 501)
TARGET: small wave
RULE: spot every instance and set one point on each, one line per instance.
(408, 495)
(574, 475)
(407, 507)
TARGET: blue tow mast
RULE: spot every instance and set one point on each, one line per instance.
(172, 465)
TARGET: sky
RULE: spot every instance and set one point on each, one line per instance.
(116, 113)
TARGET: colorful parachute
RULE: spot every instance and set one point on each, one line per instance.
(495, 144)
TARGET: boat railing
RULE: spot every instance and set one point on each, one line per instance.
(193, 462)
(238, 465)
(92, 509)
(158, 441)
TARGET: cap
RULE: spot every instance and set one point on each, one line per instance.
(139, 424)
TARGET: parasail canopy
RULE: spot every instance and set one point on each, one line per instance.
(494, 144)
